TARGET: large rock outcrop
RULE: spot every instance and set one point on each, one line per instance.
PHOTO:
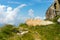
(54, 10)
(35, 22)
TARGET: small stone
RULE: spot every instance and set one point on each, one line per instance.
(58, 20)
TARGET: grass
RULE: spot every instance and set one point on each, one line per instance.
(48, 32)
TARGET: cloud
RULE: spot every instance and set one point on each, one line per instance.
(39, 17)
(13, 2)
(42, 1)
(31, 12)
(33, 2)
(8, 14)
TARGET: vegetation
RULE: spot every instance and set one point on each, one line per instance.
(55, 19)
(48, 32)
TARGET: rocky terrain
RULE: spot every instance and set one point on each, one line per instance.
(35, 22)
(54, 10)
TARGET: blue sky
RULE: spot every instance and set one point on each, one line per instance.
(17, 11)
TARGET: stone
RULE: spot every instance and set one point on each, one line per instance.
(54, 10)
(35, 22)
(58, 20)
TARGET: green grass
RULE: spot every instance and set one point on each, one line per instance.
(48, 32)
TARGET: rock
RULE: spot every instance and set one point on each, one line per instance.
(50, 14)
(34, 22)
(22, 33)
(58, 20)
(54, 10)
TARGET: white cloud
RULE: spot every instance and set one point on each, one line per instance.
(42, 1)
(9, 9)
(38, 17)
(11, 2)
(2, 9)
(44, 17)
(31, 12)
(8, 14)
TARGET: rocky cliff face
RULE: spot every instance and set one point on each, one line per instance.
(53, 10)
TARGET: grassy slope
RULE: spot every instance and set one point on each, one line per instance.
(49, 32)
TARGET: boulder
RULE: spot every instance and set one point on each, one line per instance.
(35, 22)
(58, 20)
(53, 11)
